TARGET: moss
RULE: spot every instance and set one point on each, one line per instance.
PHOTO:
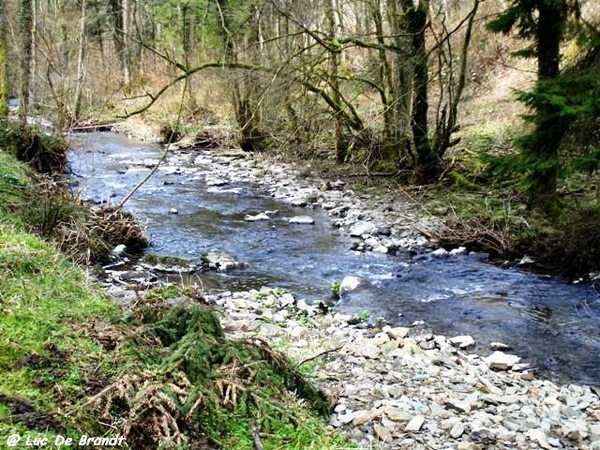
(152, 258)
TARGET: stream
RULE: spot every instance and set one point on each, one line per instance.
(547, 321)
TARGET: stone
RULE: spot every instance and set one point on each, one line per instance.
(397, 415)
(364, 416)
(440, 253)
(457, 430)
(384, 231)
(302, 220)
(360, 228)
(396, 332)
(501, 361)
(352, 283)
(415, 424)
(462, 341)
(458, 251)
(382, 433)
(220, 261)
(346, 417)
(500, 346)
(256, 218)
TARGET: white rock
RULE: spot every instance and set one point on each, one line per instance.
(457, 430)
(397, 415)
(360, 228)
(415, 423)
(303, 220)
(440, 253)
(501, 361)
(256, 218)
(458, 251)
(462, 341)
(396, 332)
(351, 283)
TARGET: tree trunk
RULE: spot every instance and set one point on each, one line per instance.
(26, 42)
(341, 145)
(80, 61)
(427, 162)
(126, 54)
(4, 86)
(246, 110)
(550, 127)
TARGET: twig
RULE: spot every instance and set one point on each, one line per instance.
(257, 441)
(318, 355)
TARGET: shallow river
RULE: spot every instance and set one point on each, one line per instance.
(550, 322)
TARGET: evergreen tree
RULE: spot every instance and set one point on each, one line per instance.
(558, 97)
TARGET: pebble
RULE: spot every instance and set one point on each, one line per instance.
(415, 424)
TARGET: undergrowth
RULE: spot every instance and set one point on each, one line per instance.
(486, 210)
(42, 203)
(164, 377)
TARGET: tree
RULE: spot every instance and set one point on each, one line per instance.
(544, 21)
(26, 44)
(81, 57)
(426, 160)
(4, 86)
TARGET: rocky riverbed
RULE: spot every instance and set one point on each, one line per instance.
(394, 387)
(407, 388)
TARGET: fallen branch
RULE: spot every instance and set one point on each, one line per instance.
(318, 355)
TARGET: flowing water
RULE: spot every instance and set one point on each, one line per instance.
(548, 321)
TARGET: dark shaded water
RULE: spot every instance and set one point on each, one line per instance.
(548, 321)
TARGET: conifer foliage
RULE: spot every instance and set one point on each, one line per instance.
(559, 97)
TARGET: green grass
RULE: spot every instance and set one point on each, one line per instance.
(55, 364)
(46, 309)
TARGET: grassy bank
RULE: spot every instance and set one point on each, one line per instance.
(73, 364)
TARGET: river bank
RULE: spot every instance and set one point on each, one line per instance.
(76, 369)
(395, 387)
